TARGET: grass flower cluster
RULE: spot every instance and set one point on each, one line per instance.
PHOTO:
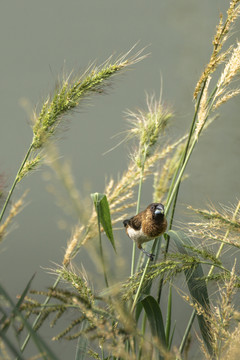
(126, 318)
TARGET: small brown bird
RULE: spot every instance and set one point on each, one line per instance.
(146, 225)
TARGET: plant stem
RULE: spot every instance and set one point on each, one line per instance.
(181, 162)
(140, 286)
(15, 182)
(138, 205)
(191, 320)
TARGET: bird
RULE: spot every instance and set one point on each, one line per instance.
(146, 226)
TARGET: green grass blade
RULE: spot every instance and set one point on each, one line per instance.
(24, 293)
(171, 337)
(169, 317)
(102, 207)
(155, 319)
(138, 311)
(196, 285)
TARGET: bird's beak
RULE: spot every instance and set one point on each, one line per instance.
(159, 209)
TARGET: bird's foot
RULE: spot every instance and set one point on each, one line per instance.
(151, 256)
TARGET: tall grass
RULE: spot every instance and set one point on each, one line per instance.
(125, 320)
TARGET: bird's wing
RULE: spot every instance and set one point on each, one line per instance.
(135, 223)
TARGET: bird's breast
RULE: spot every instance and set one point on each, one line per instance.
(138, 235)
(154, 228)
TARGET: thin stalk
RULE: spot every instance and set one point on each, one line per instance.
(175, 188)
(15, 182)
(139, 287)
(188, 142)
(187, 156)
(169, 316)
(138, 206)
(191, 320)
(183, 158)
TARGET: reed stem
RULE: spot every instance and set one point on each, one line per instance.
(138, 206)
(15, 182)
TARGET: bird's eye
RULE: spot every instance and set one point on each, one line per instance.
(152, 207)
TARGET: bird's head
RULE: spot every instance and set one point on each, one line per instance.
(157, 210)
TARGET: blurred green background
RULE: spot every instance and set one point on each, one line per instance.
(40, 40)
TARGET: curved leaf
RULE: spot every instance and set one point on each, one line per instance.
(155, 319)
(102, 209)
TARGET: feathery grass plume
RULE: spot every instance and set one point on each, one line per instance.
(147, 127)
(30, 165)
(232, 351)
(220, 218)
(67, 96)
(130, 178)
(71, 91)
(220, 38)
(230, 72)
(108, 319)
(107, 327)
(174, 265)
(79, 283)
(15, 209)
(72, 244)
(62, 301)
(221, 93)
(203, 109)
(226, 96)
(216, 224)
(221, 317)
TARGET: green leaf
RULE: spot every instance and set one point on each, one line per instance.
(155, 319)
(103, 211)
(169, 317)
(138, 311)
(196, 285)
